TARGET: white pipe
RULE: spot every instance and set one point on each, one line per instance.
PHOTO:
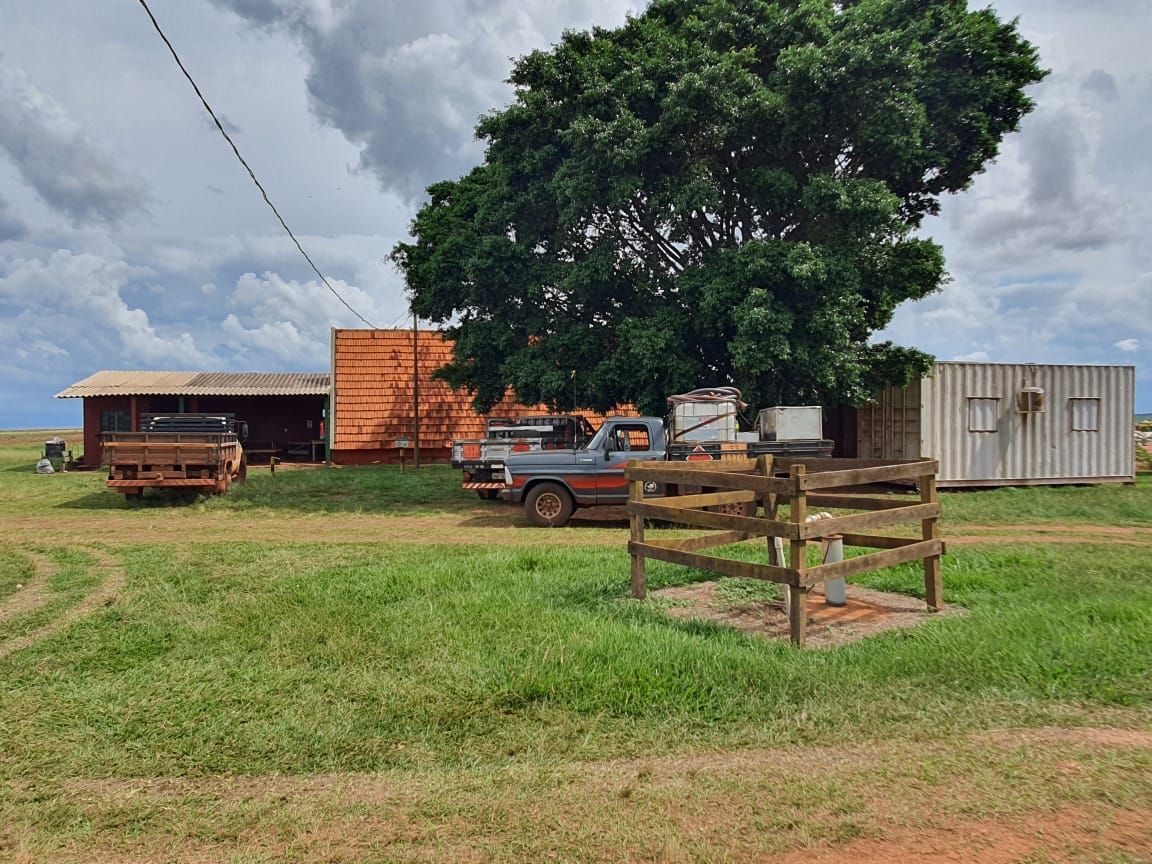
(778, 543)
(835, 590)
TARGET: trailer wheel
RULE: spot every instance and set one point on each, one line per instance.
(548, 506)
(488, 494)
(242, 474)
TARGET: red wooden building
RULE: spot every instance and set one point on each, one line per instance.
(285, 411)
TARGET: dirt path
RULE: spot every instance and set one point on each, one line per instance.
(481, 526)
(866, 803)
(104, 594)
(35, 592)
(1068, 836)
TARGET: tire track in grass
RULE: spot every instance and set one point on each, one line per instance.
(35, 592)
(104, 594)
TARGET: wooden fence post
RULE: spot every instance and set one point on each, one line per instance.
(798, 560)
(636, 523)
(930, 530)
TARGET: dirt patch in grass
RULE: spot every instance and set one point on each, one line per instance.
(34, 593)
(104, 594)
(867, 613)
(1069, 835)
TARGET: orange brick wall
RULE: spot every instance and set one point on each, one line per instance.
(372, 375)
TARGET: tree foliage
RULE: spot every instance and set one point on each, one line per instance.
(718, 192)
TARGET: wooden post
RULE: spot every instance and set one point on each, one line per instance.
(636, 523)
(798, 560)
(930, 530)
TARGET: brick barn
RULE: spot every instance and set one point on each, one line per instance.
(374, 404)
(285, 411)
(374, 401)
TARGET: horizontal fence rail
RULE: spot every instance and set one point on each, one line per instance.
(740, 500)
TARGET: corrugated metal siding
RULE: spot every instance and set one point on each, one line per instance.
(1028, 447)
(890, 428)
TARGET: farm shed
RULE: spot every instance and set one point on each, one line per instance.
(1004, 424)
(374, 402)
(285, 411)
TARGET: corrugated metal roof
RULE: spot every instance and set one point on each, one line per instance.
(373, 403)
(137, 383)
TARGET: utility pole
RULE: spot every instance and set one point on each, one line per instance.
(415, 393)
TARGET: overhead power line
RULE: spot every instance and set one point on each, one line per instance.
(247, 167)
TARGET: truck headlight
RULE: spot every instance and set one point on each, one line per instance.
(457, 453)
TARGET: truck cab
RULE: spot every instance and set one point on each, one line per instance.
(482, 460)
(553, 483)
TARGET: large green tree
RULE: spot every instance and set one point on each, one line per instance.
(718, 192)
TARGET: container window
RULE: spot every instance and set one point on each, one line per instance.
(983, 414)
(1085, 413)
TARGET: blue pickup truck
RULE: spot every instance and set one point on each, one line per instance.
(551, 484)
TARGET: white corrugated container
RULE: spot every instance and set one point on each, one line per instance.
(1006, 424)
(705, 421)
(792, 423)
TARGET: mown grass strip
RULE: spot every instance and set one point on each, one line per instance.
(254, 658)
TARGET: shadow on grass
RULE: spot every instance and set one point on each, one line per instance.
(108, 500)
(512, 516)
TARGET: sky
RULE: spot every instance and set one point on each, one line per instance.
(130, 238)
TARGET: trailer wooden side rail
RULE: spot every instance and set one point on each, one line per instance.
(208, 462)
(817, 482)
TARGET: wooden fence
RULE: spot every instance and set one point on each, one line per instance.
(764, 485)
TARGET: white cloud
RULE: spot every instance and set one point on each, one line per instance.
(70, 172)
(280, 340)
(973, 357)
(11, 226)
(407, 82)
(76, 300)
(309, 304)
(1047, 248)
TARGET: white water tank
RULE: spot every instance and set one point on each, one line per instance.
(792, 423)
(704, 421)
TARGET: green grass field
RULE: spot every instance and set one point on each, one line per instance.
(385, 490)
(254, 700)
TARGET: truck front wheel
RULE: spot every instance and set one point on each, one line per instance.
(548, 505)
